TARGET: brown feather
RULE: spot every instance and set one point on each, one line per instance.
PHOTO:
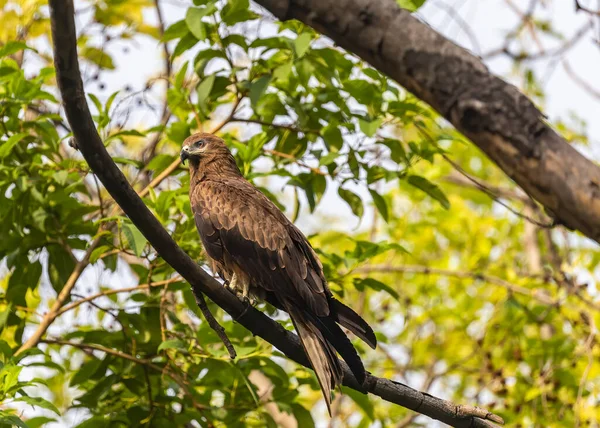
(243, 232)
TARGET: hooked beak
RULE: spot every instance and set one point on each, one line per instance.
(184, 154)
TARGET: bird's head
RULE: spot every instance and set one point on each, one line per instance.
(208, 153)
(201, 145)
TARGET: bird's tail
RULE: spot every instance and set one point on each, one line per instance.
(321, 353)
(345, 316)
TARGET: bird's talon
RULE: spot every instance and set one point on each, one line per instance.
(247, 306)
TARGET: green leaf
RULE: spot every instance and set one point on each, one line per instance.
(5, 349)
(12, 47)
(7, 146)
(329, 158)
(333, 137)
(172, 344)
(377, 286)
(61, 176)
(236, 11)
(283, 71)
(39, 402)
(301, 44)
(4, 315)
(410, 5)
(86, 371)
(369, 127)
(12, 421)
(22, 278)
(532, 393)
(362, 400)
(96, 102)
(39, 421)
(353, 200)
(9, 375)
(431, 189)
(110, 101)
(380, 204)
(5, 71)
(99, 57)
(204, 89)
(135, 238)
(176, 31)
(258, 88)
(60, 266)
(193, 19)
(364, 92)
(185, 43)
(303, 416)
(397, 152)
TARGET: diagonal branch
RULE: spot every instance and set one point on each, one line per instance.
(94, 152)
(579, 6)
(493, 114)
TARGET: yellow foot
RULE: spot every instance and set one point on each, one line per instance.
(232, 283)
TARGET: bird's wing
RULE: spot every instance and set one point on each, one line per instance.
(233, 216)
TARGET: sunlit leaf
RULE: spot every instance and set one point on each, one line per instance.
(353, 200)
(429, 188)
(136, 240)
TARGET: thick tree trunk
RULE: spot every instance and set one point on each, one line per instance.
(499, 119)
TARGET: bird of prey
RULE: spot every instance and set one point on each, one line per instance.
(260, 254)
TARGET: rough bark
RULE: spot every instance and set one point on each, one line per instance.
(493, 114)
(94, 152)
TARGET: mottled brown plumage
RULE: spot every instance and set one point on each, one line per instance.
(259, 252)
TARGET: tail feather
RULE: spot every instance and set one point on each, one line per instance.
(336, 336)
(321, 354)
(345, 316)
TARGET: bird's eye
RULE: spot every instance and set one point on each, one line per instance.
(199, 143)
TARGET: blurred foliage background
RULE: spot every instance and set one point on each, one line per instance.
(474, 295)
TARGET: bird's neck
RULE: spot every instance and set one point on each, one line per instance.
(213, 169)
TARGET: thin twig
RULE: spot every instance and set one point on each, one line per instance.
(115, 291)
(166, 113)
(62, 297)
(479, 185)
(426, 270)
(487, 191)
(579, 7)
(579, 81)
(295, 160)
(142, 361)
(214, 324)
(276, 125)
(589, 348)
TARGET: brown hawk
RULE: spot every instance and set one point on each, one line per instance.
(259, 253)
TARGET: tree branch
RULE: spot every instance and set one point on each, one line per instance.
(147, 363)
(62, 297)
(150, 151)
(579, 7)
(426, 270)
(115, 291)
(94, 152)
(292, 128)
(499, 119)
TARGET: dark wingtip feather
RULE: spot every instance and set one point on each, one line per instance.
(334, 335)
(353, 322)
